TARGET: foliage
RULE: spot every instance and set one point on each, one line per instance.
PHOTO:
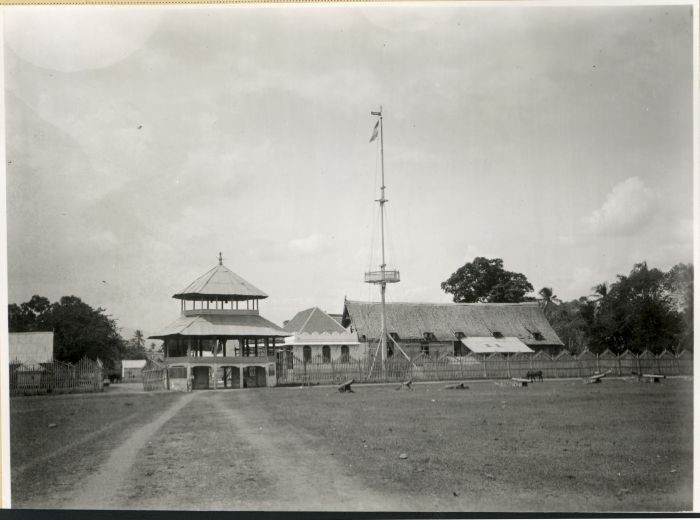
(79, 330)
(485, 280)
(135, 347)
(647, 309)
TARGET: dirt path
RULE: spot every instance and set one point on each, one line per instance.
(303, 475)
(100, 490)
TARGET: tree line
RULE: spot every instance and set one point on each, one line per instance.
(647, 309)
(79, 330)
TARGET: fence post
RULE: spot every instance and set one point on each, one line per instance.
(485, 360)
(508, 366)
(597, 363)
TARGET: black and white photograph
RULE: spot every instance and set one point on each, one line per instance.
(422, 257)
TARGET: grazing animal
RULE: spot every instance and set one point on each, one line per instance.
(535, 375)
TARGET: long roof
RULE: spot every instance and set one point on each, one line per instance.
(491, 345)
(221, 325)
(411, 321)
(220, 282)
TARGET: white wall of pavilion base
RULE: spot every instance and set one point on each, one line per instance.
(198, 373)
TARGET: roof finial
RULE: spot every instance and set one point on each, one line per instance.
(221, 259)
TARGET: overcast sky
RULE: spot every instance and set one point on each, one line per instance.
(141, 142)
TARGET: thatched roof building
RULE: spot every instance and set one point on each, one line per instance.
(452, 323)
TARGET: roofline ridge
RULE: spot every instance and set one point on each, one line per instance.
(313, 309)
(465, 304)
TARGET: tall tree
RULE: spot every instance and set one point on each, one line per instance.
(79, 330)
(547, 297)
(138, 339)
(637, 313)
(678, 284)
(485, 280)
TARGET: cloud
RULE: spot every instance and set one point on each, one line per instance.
(627, 209)
(313, 244)
(69, 39)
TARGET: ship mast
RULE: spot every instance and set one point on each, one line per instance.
(382, 277)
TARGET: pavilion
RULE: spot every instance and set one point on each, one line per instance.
(220, 339)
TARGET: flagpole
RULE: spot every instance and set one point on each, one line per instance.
(382, 277)
(382, 200)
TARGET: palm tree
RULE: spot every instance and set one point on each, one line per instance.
(547, 296)
(138, 337)
(600, 291)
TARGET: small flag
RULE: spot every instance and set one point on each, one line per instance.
(375, 132)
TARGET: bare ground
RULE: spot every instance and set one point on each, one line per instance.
(555, 446)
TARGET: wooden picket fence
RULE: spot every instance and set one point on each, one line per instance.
(56, 377)
(496, 366)
(154, 379)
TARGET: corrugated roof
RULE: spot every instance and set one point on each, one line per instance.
(491, 345)
(410, 321)
(221, 325)
(31, 347)
(313, 320)
(221, 282)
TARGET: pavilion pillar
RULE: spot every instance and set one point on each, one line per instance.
(223, 341)
(240, 382)
(256, 345)
(215, 373)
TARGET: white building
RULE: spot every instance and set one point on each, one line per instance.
(317, 336)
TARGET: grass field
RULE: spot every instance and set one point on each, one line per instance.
(551, 446)
(557, 445)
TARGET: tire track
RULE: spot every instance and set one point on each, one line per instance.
(100, 489)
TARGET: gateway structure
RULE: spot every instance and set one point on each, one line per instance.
(220, 340)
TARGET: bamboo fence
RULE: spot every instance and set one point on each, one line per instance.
(496, 366)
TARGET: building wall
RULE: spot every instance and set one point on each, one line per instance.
(131, 374)
(447, 348)
(354, 351)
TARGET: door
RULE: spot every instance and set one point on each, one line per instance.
(201, 378)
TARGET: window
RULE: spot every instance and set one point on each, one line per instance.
(425, 349)
(429, 336)
(307, 354)
(177, 373)
(459, 334)
(458, 348)
(344, 354)
(326, 350)
(289, 355)
(394, 336)
(538, 336)
(497, 335)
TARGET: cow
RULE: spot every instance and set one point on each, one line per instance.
(534, 375)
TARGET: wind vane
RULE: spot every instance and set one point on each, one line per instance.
(221, 259)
